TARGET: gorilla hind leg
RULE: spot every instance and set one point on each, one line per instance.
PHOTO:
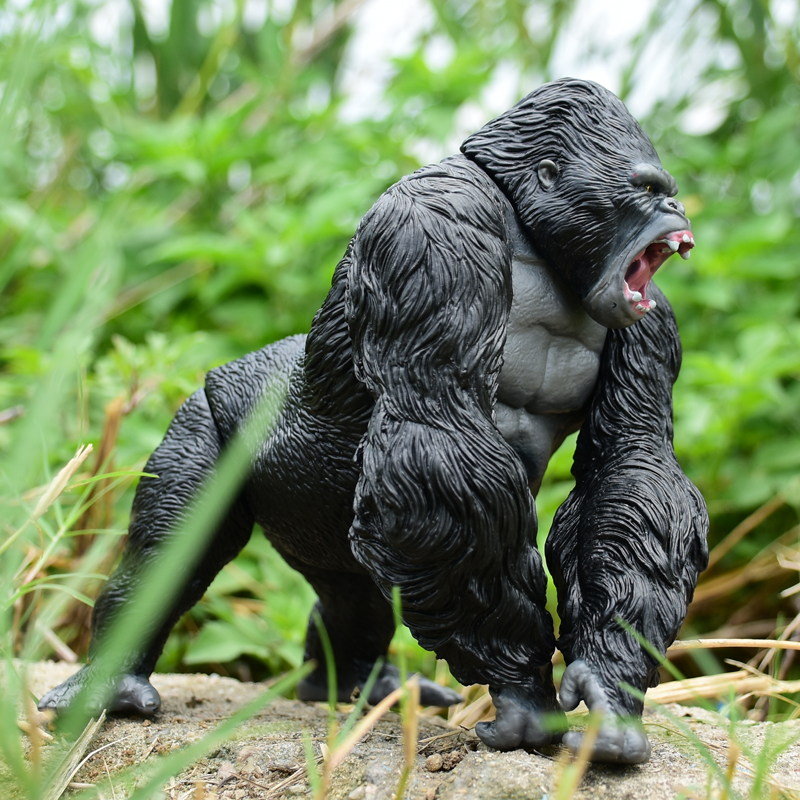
(183, 462)
(360, 625)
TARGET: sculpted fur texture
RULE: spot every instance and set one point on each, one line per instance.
(486, 307)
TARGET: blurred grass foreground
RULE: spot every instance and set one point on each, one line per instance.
(178, 181)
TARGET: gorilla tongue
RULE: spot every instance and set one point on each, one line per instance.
(648, 261)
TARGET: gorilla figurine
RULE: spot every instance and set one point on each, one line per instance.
(486, 307)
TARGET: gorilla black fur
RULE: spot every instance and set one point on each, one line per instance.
(628, 544)
(393, 461)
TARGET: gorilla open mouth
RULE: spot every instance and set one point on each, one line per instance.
(644, 266)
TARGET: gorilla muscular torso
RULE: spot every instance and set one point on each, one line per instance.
(550, 361)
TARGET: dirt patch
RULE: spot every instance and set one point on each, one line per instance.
(266, 759)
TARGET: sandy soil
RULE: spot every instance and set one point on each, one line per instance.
(266, 757)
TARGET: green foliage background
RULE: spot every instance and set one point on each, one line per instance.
(171, 200)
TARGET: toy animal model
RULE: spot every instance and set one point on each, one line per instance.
(486, 307)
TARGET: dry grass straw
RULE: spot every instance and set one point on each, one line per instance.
(743, 528)
(363, 728)
(59, 483)
(73, 761)
(774, 562)
(333, 754)
(51, 492)
(10, 414)
(341, 744)
(570, 771)
(734, 754)
(710, 644)
(735, 760)
(280, 788)
(476, 708)
(410, 717)
(741, 682)
(763, 567)
(479, 707)
(98, 515)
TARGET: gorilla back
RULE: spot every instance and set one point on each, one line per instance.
(486, 307)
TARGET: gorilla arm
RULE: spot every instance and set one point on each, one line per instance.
(627, 545)
(442, 506)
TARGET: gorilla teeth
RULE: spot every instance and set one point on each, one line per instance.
(672, 244)
(643, 309)
(636, 296)
(686, 255)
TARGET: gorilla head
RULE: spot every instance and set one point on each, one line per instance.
(588, 186)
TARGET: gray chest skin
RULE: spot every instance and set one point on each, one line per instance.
(550, 362)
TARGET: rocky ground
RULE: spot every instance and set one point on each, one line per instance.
(267, 759)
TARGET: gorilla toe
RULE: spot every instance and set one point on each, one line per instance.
(66, 693)
(136, 695)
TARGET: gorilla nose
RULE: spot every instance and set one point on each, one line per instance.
(671, 204)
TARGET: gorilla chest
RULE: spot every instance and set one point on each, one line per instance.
(550, 364)
(552, 353)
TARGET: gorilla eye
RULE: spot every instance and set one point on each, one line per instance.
(653, 180)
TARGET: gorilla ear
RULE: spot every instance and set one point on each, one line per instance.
(548, 172)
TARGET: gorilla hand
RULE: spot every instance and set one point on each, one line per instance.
(620, 740)
(521, 721)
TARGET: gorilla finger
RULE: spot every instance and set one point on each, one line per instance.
(636, 746)
(606, 748)
(579, 683)
(572, 740)
(542, 735)
(613, 745)
(572, 683)
(500, 737)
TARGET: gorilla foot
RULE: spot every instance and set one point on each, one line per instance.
(136, 695)
(521, 721)
(430, 693)
(314, 688)
(130, 694)
(620, 740)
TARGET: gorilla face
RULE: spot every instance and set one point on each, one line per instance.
(619, 297)
(609, 253)
(588, 186)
